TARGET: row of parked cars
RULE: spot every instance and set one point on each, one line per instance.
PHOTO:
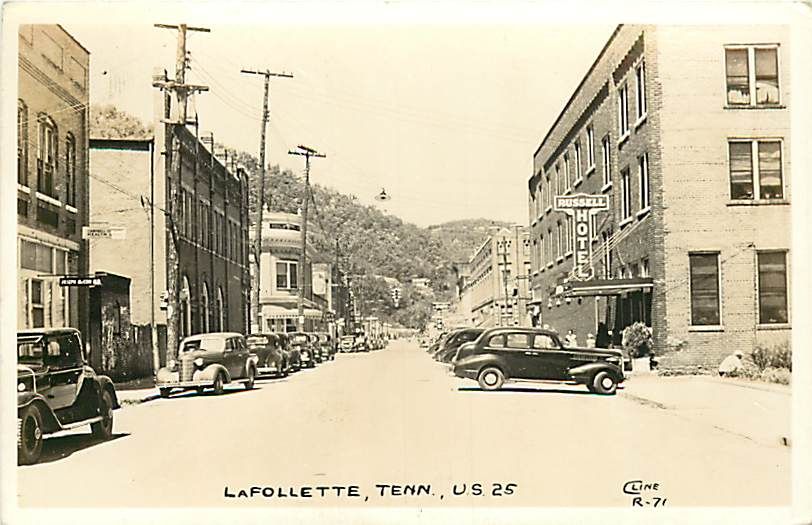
(494, 356)
(361, 343)
(57, 390)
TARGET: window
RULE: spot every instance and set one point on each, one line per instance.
(607, 159)
(590, 148)
(704, 270)
(772, 288)
(606, 254)
(22, 143)
(561, 249)
(497, 341)
(518, 340)
(567, 172)
(578, 174)
(623, 110)
(625, 194)
(640, 78)
(543, 342)
(643, 180)
(549, 246)
(37, 303)
(541, 250)
(70, 170)
(570, 233)
(286, 275)
(549, 193)
(593, 227)
(763, 178)
(46, 156)
(204, 309)
(559, 181)
(752, 75)
(645, 271)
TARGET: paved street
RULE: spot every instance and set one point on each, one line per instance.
(396, 417)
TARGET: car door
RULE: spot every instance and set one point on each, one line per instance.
(519, 354)
(64, 359)
(240, 358)
(230, 357)
(550, 361)
(496, 346)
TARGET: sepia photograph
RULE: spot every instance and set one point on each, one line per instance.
(392, 263)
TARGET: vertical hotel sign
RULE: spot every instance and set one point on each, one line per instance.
(581, 208)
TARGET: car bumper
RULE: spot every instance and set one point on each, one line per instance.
(268, 370)
(464, 373)
(183, 384)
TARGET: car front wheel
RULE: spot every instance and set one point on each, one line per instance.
(104, 429)
(251, 375)
(218, 384)
(491, 378)
(604, 383)
(29, 435)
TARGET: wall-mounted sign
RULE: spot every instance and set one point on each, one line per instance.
(104, 232)
(80, 281)
(581, 207)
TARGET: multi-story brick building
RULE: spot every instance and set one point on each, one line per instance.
(52, 176)
(686, 130)
(279, 268)
(495, 290)
(209, 229)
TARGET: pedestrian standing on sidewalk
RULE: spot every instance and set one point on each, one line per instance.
(602, 341)
(590, 341)
(571, 339)
(731, 364)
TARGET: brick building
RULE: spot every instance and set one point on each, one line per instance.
(279, 278)
(686, 130)
(210, 231)
(52, 176)
(495, 288)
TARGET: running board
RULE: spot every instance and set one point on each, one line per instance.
(70, 426)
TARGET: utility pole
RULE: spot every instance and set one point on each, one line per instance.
(305, 152)
(258, 240)
(502, 247)
(181, 90)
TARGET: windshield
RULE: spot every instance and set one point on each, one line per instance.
(207, 344)
(29, 350)
(465, 337)
(256, 341)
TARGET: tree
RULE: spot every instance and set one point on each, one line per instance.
(107, 121)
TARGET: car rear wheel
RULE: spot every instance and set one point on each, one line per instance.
(104, 428)
(491, 378)
(29, 435)
(251, 376)
(218, 384)
(604, 383)
(165, 392)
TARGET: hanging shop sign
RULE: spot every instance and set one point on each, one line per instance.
(104, 232)
(80, 281)
(581, 208)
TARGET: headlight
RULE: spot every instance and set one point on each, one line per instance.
(20, 387)
(199, 361)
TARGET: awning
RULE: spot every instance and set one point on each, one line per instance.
(273, 311)
(603, 287)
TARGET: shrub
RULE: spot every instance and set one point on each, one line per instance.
(637, 340)
(781, 376)
(778, 356)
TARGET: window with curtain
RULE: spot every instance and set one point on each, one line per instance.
(705, 297)
(772, 287)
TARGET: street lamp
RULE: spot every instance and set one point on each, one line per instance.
(383, 196)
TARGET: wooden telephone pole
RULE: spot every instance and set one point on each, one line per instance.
(305, 152)
(258, 240)
(181, 91)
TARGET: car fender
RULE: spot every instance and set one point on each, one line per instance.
(482, 361)
(106, 384)
(250, 363)
(211, 371)
(49, 421)
(591, 369)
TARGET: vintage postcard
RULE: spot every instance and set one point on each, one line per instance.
(394, 263)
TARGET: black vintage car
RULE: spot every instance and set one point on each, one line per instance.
(57, 390)
(271, 359)
(503, 354)
(303, 344)
(457, 338)
(291, 352)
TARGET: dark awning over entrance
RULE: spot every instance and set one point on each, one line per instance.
(603, 287)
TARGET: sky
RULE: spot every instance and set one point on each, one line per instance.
(445, 118)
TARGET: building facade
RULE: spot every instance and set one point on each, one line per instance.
(495, 291)
(209, 229)
(686, 130)
(52, 176)
(279, 268)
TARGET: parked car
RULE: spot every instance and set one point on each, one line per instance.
(292, 355)
(504, 354)
(315, 344)
(302, 343)
(57, 390)
(271, 359)
(361, 343)
(453, 342)
(326, 345)
(209, 360)
(435, 343)
(347, 343)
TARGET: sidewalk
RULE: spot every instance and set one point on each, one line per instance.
(760, 412)
(134, 397)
